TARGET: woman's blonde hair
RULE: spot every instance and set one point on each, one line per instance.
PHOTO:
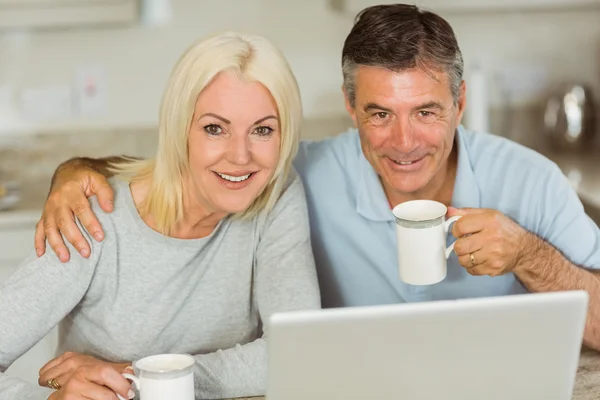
(255, 59)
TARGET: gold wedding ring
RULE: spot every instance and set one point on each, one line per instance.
(473, 261)
(53, 384)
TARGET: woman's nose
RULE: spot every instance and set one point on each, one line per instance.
(239, 150)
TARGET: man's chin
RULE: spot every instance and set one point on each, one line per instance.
(406, 187)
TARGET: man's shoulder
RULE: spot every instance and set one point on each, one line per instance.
(490, 153)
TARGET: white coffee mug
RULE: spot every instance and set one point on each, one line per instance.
(164, 377)
(421, 230)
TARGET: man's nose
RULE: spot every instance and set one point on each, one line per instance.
(403, 136)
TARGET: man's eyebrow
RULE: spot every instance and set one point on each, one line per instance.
(375, 106)
(429, 105)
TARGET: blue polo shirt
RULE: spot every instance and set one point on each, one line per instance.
(353, 228)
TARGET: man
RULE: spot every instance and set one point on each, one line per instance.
(523, 227)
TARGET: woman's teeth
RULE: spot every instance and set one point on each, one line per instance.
(234, 178)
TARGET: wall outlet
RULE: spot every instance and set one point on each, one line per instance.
(91, 91)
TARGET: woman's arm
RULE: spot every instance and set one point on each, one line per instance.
(286, 280)
(32, 301)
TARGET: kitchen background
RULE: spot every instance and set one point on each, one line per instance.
(85, 77)
(95, 89)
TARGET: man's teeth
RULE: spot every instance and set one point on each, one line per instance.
(234, 178)
(404, 162)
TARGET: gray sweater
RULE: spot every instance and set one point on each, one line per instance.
(142, 293)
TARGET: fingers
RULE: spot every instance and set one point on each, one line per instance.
(59, 217)
(469, 224)
(483, 262)
(61, 380)
(470, 243)
(60, 369)
(105, 375)
(474, 264)
(69, 228)
(40, 238)
(80, 388)
(452, 211)
(89, 221)
(104, 192)
(51, 364)
(54, 238)
(77, 204)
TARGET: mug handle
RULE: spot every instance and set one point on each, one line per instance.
(447, 224)
(135, 380)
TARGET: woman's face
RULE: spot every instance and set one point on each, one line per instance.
(233, 144)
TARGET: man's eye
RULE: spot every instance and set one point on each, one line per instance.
(213, 129)
(381, 115)
(425, 113)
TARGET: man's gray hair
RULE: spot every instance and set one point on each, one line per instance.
(400, 37)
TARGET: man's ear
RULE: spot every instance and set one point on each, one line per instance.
(462, 101)
(351, 111)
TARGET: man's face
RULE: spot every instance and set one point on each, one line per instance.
(407, 122)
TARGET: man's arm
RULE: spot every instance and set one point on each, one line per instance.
(542, 268)
(558, 251)
(74, 181)
(100, 165)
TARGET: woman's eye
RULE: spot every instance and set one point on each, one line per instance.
(213, 129)
(263, 131)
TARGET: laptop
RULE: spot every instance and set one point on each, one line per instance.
(518, 347)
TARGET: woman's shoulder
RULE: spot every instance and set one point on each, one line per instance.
(290, 205)
(111, 220)
(293, 191)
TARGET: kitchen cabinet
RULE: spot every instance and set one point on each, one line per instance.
(16, 243)
(66, 13)
(467, 6)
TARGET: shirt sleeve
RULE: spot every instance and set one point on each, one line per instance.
(34, 299)
(565, 223)
(286, 280)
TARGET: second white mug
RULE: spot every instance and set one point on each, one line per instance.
(421, 229)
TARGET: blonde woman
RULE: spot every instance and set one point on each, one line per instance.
(205, 241)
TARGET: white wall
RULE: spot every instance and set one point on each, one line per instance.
(137, 61)
(530, 53)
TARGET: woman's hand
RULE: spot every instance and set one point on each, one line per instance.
(72, 184)
(98, 381)
(64, 367)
